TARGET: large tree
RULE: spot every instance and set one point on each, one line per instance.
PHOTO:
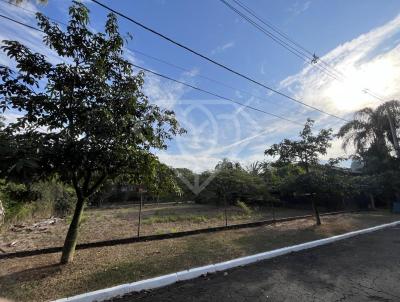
(304, 152)
(86, 118)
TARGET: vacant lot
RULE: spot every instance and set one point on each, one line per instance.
(353, 270)
(40, 278)
(122, 222)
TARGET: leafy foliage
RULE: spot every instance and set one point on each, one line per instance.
(371, 135)
(305, 151)
(86, 118)
(230, 183)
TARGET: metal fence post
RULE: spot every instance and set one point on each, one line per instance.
(226, 216)
(140, 213)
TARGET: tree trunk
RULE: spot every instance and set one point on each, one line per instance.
(316, 212)
(72, 235)
(372, 200)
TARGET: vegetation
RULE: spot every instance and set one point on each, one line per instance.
(86, 133)
(39, 278)
(371, 134)
(304, 153)
(84, 120)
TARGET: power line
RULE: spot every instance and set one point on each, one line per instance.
(282, 94)
(331, 71)
(152, 57)
(21, 23)
(198, 75)
(31, 11)
(139, 52)
(367, 91)
(189, 85)
(283, 35)
(213, 61)
(300, 54)
(214, 94)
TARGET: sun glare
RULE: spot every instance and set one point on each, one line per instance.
(378, 77)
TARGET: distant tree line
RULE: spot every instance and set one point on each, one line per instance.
(85, 127)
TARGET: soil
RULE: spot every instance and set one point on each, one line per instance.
(40, 278)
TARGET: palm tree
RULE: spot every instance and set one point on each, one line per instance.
(371, 128)
(254, 168)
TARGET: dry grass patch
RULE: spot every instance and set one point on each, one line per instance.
(39, 278)
(122, 222)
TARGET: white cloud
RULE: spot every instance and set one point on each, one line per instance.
(371, 61)
(299, 7)
(163, 92)
(28, 37)
(235, 134)
(203, 163)
(223, 48)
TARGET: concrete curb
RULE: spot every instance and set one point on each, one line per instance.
(154, 237)
(108, 293)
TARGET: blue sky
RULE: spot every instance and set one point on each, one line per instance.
(360, 38)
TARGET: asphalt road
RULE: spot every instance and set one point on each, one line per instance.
(363, 268)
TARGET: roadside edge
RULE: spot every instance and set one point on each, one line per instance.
(157, 282)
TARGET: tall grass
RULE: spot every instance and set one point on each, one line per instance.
(23, 203)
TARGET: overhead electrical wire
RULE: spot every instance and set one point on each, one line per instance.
(251, 12)
(215, 81)
(201, 76)
(286, 37)
(186, 84)
(313, 60)
(155, 59)
(215, 94)
(195, 52)
(18, 22)
(300, 54)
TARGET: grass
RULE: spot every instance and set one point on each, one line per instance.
(121, 222)
(84, 218)
(175, 218)
(39, 278)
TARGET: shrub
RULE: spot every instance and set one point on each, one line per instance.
(64, 204)
(244, 207)
(42, 199)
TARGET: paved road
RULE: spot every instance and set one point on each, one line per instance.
(363, 268)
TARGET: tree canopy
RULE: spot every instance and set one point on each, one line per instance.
(304, 151)
(86, 118)
(371, 134)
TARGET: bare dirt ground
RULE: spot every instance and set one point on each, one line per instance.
(40, 278)
(363, 268)
(122, 222)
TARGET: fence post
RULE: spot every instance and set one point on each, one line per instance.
(315, 209)
(140, 212)
(273, 210)
(226, 216)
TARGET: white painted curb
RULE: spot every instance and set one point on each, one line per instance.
(108, 293)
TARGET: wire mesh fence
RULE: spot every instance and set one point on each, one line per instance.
(116, 222)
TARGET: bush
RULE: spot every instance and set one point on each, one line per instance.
(39, 200)
(64, 204)
(20, 192)
(244, 207)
